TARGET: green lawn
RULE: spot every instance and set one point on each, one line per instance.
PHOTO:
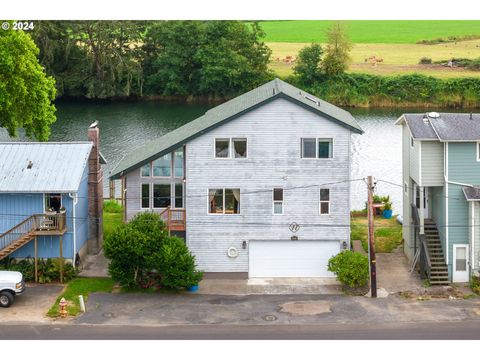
(388, 233)
(80, 286)
(370, 31)
(110, 222)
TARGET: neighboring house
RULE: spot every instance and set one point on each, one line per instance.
(441, 172)
(234, 181)
(51, 198)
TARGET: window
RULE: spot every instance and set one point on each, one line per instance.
(179, 195)
(53, 202)
(224, 201)
(162, 167)
(411, 141)
(222, 148)
(317, 148)
(324, 201)
(278, 201)
(308, 148)
(178, 163)
(240, 148)
(161, 195)
(145, 170)
(325, 148)
(227, 148)
(145, 198)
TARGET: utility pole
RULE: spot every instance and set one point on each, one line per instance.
(371, 240)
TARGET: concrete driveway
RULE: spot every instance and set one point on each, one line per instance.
(32, 305)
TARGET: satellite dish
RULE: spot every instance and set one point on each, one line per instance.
(433, 115)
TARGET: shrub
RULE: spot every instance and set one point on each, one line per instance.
(48, 269)
(475, 284)
(111, 206)
(350, 268)
(425, 60)
(132, 247)
(176, 265)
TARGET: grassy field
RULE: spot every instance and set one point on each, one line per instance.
(388, 233)
(397, 58)
(370, 31)
(110, 222)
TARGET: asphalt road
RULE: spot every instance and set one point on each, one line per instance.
(465, 330)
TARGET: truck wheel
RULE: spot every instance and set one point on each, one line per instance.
(6, 299)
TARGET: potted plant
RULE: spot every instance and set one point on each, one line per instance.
(387, 208)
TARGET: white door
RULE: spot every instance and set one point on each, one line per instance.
(291, 258)
(460, 263)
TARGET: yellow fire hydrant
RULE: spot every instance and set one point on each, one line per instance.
(63, 308)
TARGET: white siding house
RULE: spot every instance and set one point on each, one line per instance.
(253, 167)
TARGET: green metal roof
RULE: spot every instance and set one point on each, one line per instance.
(228, 111)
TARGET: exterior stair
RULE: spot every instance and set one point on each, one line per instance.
(17, 244)
(439, 269)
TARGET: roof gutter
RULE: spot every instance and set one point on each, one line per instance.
(74, 197)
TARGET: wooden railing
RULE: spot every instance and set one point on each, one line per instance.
(175, 219)
(425, 262)
(34, 224)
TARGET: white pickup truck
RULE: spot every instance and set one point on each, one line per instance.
(11, 284)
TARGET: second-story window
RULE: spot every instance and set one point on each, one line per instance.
(239, 148)
(145, 196)
(278, 201)
(145, 170)
(222, 148)
(224, 201)
(178, 163)
(321, 148)
(324, 201)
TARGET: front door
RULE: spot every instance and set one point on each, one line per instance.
(460, 263)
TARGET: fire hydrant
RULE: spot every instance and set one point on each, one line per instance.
(63, 308)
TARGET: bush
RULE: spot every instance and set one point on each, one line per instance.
(425, 60)
(48, 269)
(176, 265)
(475, 284)
(350, 268)
(111, 206)
(132, 247)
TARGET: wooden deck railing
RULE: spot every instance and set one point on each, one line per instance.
(36, 224)
(175, 219)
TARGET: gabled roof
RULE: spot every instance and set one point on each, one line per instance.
(56, 167)
(445, 127)
(228, 111)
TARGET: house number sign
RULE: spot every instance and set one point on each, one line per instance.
(294, 227)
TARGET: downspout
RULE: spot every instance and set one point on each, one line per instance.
(74, 197)
(446, 204)
(472, 243)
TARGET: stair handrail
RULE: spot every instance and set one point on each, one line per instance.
(425, 262)
(17, 231)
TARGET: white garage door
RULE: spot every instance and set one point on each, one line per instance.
(291, 258)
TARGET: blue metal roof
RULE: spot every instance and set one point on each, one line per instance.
(55, 167)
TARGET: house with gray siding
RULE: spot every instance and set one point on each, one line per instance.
(258, 186)
(441, 177)
(51, 199)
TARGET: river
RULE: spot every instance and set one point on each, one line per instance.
(128, 125)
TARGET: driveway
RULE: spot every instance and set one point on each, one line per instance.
(32, 305)
(193, 309)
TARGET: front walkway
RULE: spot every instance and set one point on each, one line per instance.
(94, 266)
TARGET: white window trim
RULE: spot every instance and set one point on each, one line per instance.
(277, 201)
(324, 201)
(146, 177)
(231, 151)
(153, 196)
(478, 152)
(223, 200)
(171, 168)
(150, 189)
(316, 148)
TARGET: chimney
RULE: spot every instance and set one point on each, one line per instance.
(95, 193)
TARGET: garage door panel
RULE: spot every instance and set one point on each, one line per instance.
(291, 258)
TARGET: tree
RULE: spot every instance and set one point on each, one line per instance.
(213, 58)
(26, 92)
(95, 59)
(337, 56)
(308, 66)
